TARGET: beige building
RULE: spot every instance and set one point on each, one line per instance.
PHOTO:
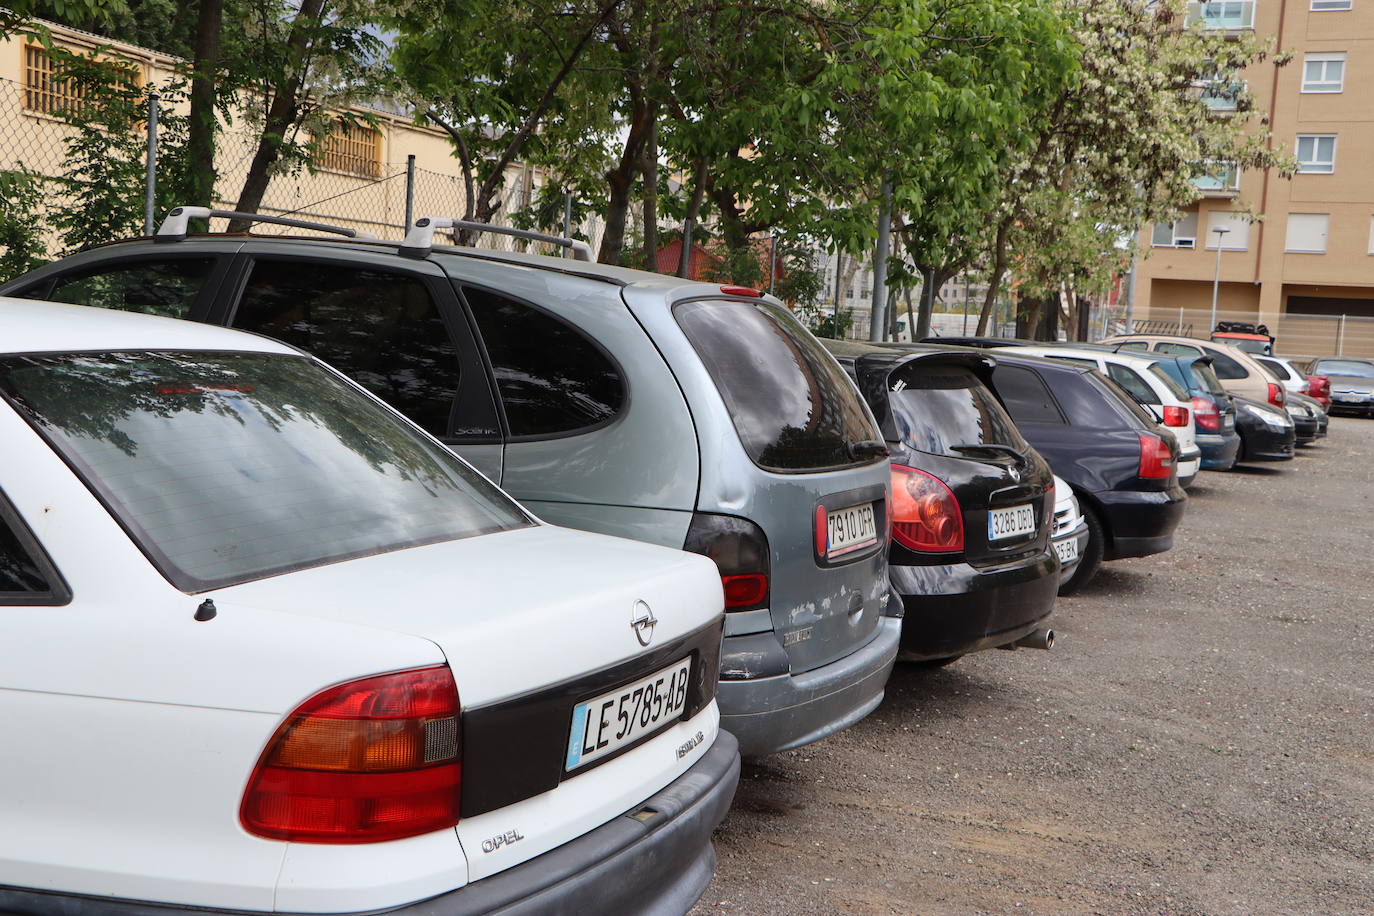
(1306, 268)
(359, 180)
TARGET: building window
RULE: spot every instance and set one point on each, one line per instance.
(1316, 154)
(1307, 232)
(1224, 14)
(1322, 6)
(1237, 234)
(1323, 72)
(1181, 233)
(353, 148)
(45, 91)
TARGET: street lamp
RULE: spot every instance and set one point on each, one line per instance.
(1216, 279)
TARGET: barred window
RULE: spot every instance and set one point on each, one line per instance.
(45, 90)
(352, 148)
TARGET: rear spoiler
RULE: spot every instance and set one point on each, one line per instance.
(873, 370)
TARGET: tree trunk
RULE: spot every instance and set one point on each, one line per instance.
(282, 113)
(910, 318)
(999, 270)
(693, 210)
(200, 137)
(649, 171)
(930, 281)
(621, 181)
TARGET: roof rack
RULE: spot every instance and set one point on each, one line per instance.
(173, 228)
(420, 239)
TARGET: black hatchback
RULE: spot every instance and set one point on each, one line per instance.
(972, 502)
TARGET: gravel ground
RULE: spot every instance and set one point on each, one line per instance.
(1200, 741)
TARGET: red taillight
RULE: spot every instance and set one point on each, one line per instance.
(1175, 416)
(750, 590)
(1318, 385)
(740, 551)
(1156, 458)
(362, 762)
(1206, 414)
(742, 291)
(925, 514)
(1276, 394)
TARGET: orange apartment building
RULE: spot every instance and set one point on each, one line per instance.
(1306, 266)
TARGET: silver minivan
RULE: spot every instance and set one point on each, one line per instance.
(630, 403)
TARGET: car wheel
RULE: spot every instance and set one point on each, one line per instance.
(1092, 554)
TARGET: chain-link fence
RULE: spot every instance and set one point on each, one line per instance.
(34, 142)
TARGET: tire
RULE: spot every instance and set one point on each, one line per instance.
(1092, 553)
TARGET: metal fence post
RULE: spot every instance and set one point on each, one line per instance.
(150, 176)
(410, 191)
(877, 327)
(1340, 337)
(567, 221)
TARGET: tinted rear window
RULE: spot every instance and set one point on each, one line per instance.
(1205, 377)
(1171, 383)
(793, 407)
(1025, 394)
(1117, 400)
(1278, 370)
(227, 467)
(1226, 367)
(167, 287)
(937, 407)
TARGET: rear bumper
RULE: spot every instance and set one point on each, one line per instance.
(1219, 452)
(1079, 536)
(1188, 466)
(1139, 523)
(661, 864)
(777, 710)
(958, 609)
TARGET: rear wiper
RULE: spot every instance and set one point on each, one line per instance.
(990, 447)
(869, 448)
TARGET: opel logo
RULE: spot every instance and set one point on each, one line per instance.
(642, 621)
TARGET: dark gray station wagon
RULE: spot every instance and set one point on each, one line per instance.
(629, 403)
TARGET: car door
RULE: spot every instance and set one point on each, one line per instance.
(396, 330)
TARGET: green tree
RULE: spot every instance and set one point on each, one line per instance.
(21, 237)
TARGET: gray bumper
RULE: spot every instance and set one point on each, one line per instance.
(782, 711)
(660, 864)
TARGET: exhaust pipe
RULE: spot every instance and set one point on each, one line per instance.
(1036, 639)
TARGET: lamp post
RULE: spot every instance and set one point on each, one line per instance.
(1216, 278)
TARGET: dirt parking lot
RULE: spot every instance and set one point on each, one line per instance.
(1201, 741)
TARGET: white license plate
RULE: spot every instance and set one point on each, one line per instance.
(1228, 421)
(1009, 523)
(602, 725)
(849, 529)
(1067, 550)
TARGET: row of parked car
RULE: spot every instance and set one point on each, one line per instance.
(411, 577)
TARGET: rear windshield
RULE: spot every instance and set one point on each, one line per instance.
(1117, 399)
(1276, 369)
(792, 405)
(1207, 379)
(936, 408)
(1171, 383)
(228, 467)
(1351, 367)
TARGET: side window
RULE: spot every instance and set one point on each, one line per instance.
(1142, 345)
(1026, 397)
(379, 327)
(551, 378)
(165, 287)
(1175, 349)
(25, 576)
(1130, 380)
(1226, 367)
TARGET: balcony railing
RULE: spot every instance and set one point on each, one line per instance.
(1230, 15)
(1221, 95)
(1221, 180)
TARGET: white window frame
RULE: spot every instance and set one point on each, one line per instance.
(1198, 10)
(1329, 6)
(1325, 233)
(1371, 235)
(1188, 235)
(1224, 173)
(1316, 166)
(1326, 84)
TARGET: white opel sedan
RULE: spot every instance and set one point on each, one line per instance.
(266, 646)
